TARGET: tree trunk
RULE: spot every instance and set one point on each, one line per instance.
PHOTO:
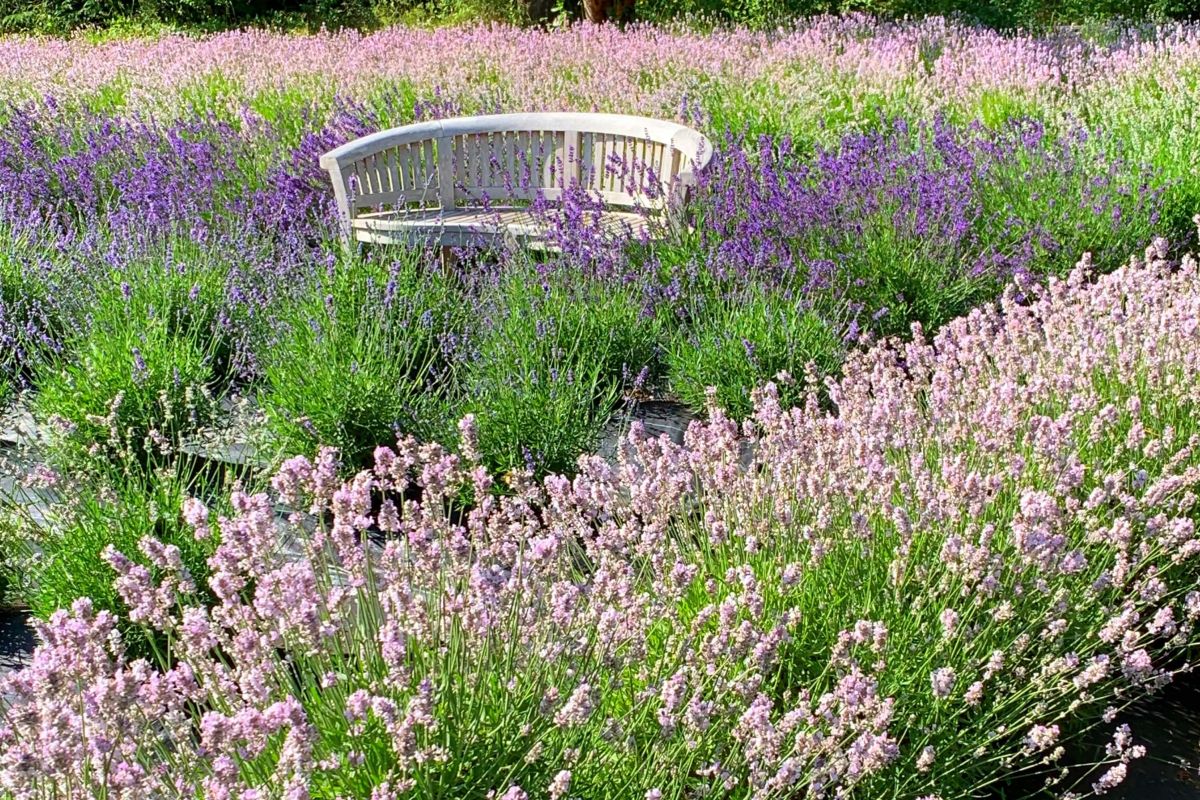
(607, 10)
(539, 10)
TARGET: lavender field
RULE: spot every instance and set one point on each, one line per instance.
(321, 522)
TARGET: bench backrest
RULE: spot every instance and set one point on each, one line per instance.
(627, 161)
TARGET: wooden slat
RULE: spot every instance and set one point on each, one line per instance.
(644, 167)
(429, 167)
(675, 168)
(471, 159)
(364, 176)
(586, 145)
(479, 162)
(541, 159)
(490, 168)
(524, 177)
(610, 146)
(618, 164)
(445, 172)
(664, 164)
(509, 160)
(378, 166)
(461, 160)
(601, 149)
(357, 183)
(406, 197)
(402, 156)
(571, 157)
(391, 182)
(625, 179)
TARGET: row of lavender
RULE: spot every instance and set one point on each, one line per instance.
(200, 253)
(987, 546)
(818, 67)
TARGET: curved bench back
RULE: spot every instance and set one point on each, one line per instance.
(513, 158)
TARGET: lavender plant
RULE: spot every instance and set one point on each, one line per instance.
(987, 543)
(29, 331)
(915, 222)
(738, 343)
(142, 371)
(365, 353)
(550, 363)
(60, 558)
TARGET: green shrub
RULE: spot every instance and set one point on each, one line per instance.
(65, 559)
(141, 371)
(28, 327)
(359, 358)
(739, 343)
(550, 366)
(996, 13)
(64, 15)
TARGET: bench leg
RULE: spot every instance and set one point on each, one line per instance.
(449, 259)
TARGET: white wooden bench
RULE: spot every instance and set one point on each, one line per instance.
(457, 182)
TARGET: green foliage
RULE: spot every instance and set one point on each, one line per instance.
(736, 344)
(140, 17)
(139, 372)
(359, 359)
(550, 366)
(65, 561)
(996, 13)
(126, 17)
(22, 296)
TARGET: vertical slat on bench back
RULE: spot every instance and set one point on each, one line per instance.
(550, 159)
(402, 167)
(477, 171)
(571, 158)
(489, 176)
(461, 161)
(523, 170)
(508, 162)
(587, 146)
(431, 168)
(445, 172)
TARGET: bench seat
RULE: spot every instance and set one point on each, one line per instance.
(462, 227)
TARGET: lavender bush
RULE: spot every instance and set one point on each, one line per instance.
(828, 67)
(551, 361)
(365, 355)
(919, 221)
(110, 510)
(987, 545)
